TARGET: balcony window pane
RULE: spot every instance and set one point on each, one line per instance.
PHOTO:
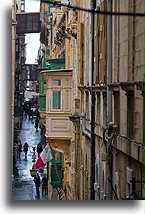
(56, 99)
(56, 82)
(44, 88)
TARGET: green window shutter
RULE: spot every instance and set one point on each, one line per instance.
(47, 52)
(56, 168)
(56, 99)
(44, 63)
(56, 175)
(42, 104)
(44, 58)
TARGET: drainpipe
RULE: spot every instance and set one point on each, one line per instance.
(109, 60)
(92, 139)
(109, 96)
(84, 130)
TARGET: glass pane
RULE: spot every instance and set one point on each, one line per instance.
(56, 82)
(44, 91)
(57, 157)
(56, 99)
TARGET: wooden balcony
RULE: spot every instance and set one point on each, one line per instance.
(58, 104)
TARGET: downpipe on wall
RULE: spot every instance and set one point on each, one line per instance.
(84, 129)
(92, 139)
(109, 96)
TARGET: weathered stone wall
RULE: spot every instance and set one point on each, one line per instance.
(128, 68)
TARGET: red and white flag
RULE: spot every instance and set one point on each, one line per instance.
(44, 157)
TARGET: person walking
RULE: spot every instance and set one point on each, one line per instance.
(25, 108)
(37, 114)
(25, 149)
(44, 184)
(29, 112)
(33, 155)
(39, 149)
(19, 149)
(36, 124)
(37, 185)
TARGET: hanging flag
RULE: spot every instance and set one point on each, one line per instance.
(44, 157)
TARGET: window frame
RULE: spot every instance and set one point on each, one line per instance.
(60, 100)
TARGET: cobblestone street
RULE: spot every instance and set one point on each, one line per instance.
(23, 184)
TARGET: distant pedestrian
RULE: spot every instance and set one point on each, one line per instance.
(44, 184)
(39, 149)
(19, 149)
(37, 185)
(37, 114)
(36, 124)
(25, 108)
(25, 149)
(34, 155)
(29, 112)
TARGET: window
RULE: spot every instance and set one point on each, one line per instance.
(104, 109)
(56, 83)
(98, 113)
(97, 169)
(87, 105)
(56, 99)
(44, 89)
(117, 109)
(130, 113)
(57, 157)
(82, 54)
(129, 176)
(56, 94)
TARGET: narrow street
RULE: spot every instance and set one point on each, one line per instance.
(77, 72)
(23, 185)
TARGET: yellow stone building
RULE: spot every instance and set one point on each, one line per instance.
(13, 57)
(105, 149)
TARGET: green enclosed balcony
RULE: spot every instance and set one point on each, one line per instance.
(51, 65)
(42, 91)
(54, 64)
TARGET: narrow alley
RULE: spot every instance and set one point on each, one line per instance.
(23, 184)
(85, 86)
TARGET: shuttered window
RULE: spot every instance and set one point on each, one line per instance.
(56, 99)
(130, 114)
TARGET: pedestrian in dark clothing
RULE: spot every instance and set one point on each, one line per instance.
(29, 113)
(19, 149)
(39, 148)
(25, 110)
(44, 185)
(37, 184)
(37, 114)
(25, 149)
(36, 124)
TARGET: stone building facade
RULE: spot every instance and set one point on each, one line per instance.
(126, 87)
(13, 56)
(16, 72)
(107, 113)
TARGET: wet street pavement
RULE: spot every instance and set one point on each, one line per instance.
(23, 187)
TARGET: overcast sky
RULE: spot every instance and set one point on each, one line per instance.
(32, 39)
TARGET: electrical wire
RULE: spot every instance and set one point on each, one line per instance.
(93, 11)
(115, 134)
(140, 144)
